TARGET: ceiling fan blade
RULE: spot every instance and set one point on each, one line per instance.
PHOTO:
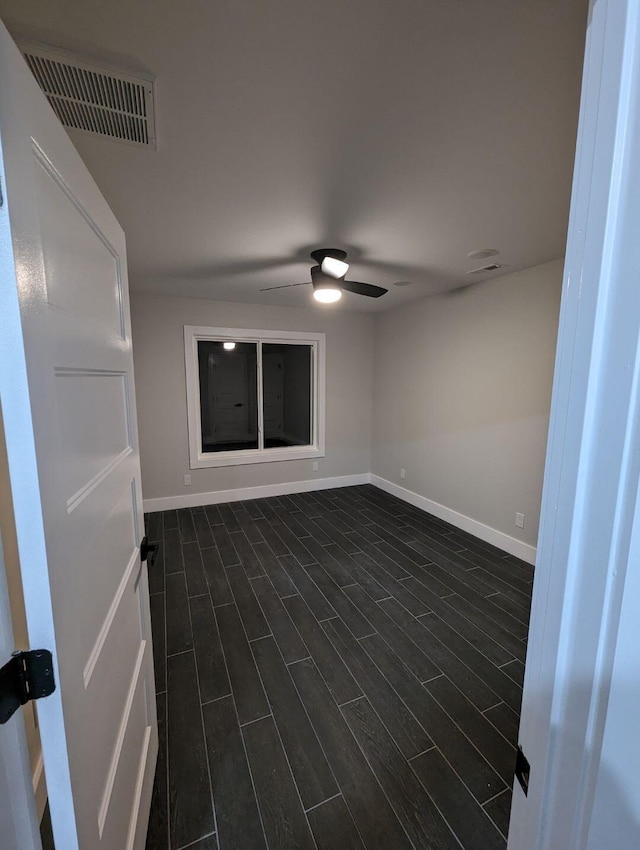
(286, 286)
(363, 288)
(227, 268)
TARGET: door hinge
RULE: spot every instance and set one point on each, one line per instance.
(523, 769)
(27, 676)
(148, 551)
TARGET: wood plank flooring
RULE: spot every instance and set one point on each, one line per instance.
(335, 670)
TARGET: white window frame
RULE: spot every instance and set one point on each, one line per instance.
(202, 460)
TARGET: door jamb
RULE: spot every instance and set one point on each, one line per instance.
(593, 464)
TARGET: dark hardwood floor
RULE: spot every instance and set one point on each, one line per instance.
(335, 670)
(46, 830)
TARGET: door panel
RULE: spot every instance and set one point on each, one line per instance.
(93, 444)
(74, 249)
(87, 598)
(119, 782)
(229, 387)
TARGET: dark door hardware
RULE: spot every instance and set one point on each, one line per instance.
(238, 404)
(523, 769)
(148, 551)
(27, 676)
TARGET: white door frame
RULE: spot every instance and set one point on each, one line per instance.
(593, 455)
(18, 816)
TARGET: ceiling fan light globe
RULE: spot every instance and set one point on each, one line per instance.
(334, 268)
(327, 294)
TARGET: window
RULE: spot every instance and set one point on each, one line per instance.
(253, 396)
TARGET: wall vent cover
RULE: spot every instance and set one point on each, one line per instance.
(490, 268)
(93, 98)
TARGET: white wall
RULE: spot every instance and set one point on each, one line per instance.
(462, 396)
(158, 348)
(454, 388)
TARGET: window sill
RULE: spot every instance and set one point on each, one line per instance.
(210, 460)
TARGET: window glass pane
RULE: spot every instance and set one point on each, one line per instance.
(286, 373)
(228, 395)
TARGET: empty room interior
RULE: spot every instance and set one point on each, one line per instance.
(345, 227)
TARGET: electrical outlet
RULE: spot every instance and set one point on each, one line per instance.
(187, 480)
(403, 474)
(520, 520)
(315, 466)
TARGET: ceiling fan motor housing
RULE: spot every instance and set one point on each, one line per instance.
(334, 253)
(323, 281)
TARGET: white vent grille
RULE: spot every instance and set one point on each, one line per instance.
(87, 97)
(490, 268)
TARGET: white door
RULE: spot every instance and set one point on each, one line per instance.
(231, 411)
(272, 391)
(67, 393)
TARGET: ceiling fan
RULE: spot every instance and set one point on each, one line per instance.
(328, 278)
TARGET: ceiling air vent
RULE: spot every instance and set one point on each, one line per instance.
(490, 268)
(94, 98)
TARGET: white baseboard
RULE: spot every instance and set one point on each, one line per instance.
(490, 535)
(193, 500)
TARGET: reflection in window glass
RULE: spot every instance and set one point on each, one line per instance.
(287, 386)
(228, 396)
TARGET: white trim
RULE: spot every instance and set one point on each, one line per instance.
(137, 797)
(497, 538)
(238, 458)
(97, 479)
(193, 500)
(200, 460)
(108, 620)
(591, 478)
(117, 750)
(484, 532)
(259, 401)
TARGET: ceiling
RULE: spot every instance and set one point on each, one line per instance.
(408, 132)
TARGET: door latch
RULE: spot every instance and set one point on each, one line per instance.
(148, 551)
(27, 676)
